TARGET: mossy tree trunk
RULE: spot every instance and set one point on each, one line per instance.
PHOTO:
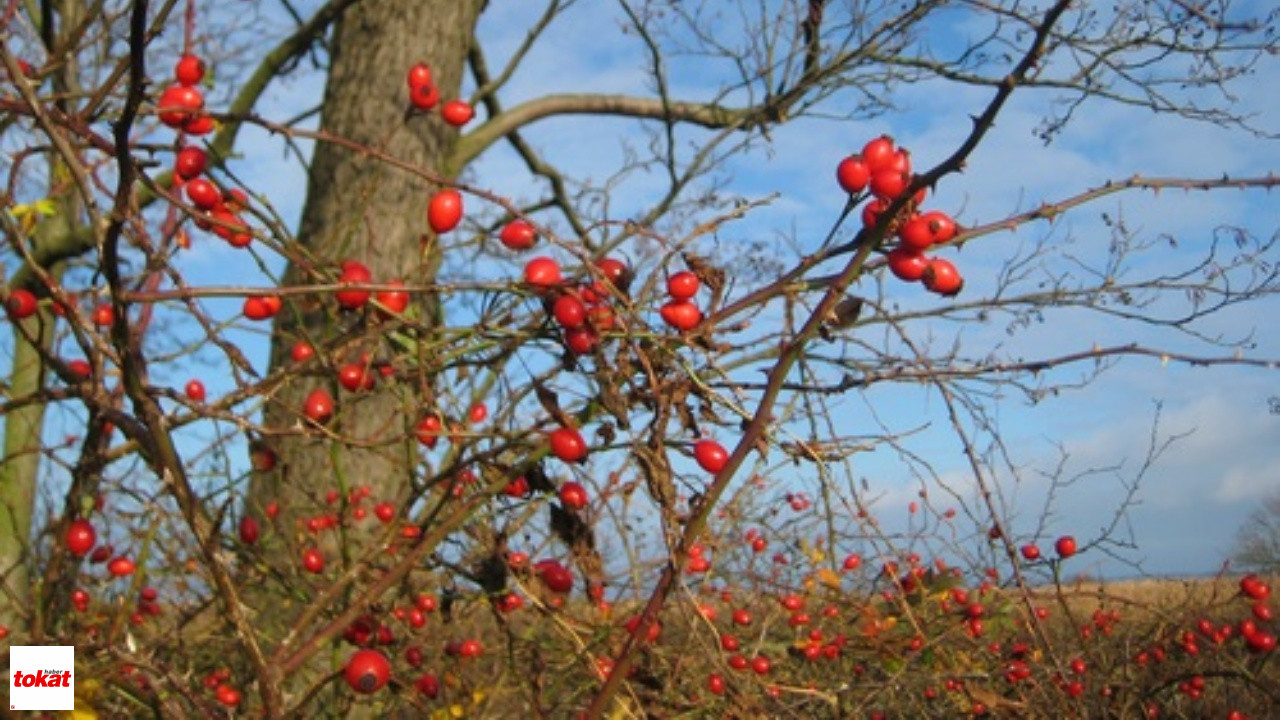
(21, 466)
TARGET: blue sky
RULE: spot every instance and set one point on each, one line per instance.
(1204, 484)
(1193, 498)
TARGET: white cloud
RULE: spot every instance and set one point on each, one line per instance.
(1194, 496)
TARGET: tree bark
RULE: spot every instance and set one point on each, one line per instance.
(19, 469)
(359, 207)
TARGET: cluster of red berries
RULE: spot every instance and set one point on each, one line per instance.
(218, 682)
(429, 430)
(80, 538)
(425, 96)
(181, 104)
(179, 107)
(367, 631)
(1257, 638)
(432, 425)
(883, 171)
(355, 376)
(148, 606)
(681, 312)
(368, 670)
(220, 211)
(330, 519)
(262, 307)
(21, 304)
(755, 540)
(697, 562)
(388, 302)
(583, 311)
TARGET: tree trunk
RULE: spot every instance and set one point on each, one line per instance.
(19, 469)
(23, 433)
(363, 208)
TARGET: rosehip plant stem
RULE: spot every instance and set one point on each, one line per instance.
(293, 652)
(866, 241)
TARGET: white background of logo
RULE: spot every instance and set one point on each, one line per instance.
(33, 658)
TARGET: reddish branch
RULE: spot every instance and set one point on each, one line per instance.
(157, 444)
(1046, 211)
(910, 373)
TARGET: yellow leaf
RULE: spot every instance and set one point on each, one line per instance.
(46, 207)
(43, 207)
(83, 711)
(86, 692)
(828, 577)
(456, 711)
(89, 689)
